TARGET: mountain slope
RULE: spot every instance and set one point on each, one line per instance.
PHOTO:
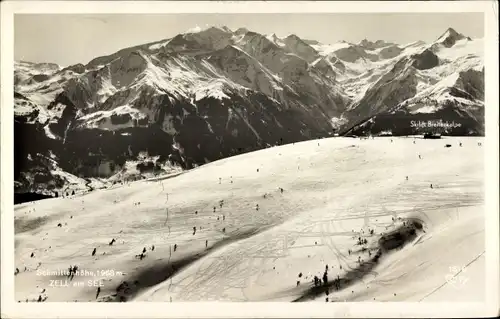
(238, 238)
(442, 81)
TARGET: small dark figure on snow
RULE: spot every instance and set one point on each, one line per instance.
(196, 212)
(406, 177)
(206, 243)
(220, 180)
(16, 272)
(214, 209)
(144, 250)
(432, 186)
(112, 242)
(316, 281)
(152, 247)
(93, 252)
(175, 247)
(98, 292)
(257, 207)
(460, 144)
(223, 217)
(325, 278)
(224, 230)
(39, 298)
(298, 283)
(59, 225)
(419, 156)
(194, 230)
(32, 255)
(257, 170)
(218, 217)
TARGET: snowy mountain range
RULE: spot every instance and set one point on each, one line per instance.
(213, 93)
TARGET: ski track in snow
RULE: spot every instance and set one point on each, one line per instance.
(333, 189)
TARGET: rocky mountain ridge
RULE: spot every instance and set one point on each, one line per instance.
(205, 95)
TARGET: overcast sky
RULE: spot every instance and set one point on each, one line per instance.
(70, 39)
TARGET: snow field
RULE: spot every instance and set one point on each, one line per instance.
(333, 189)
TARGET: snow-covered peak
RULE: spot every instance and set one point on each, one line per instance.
(414, 44)
(240, 31)
(327, 49)
(272, 37)
(450, 37)
(36, 68)
(208, 28)
(373, 45)
(275, 39)
(450, 32)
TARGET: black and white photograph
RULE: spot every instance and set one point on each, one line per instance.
(240, 156)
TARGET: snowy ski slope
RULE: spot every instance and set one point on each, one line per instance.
(334, 191)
